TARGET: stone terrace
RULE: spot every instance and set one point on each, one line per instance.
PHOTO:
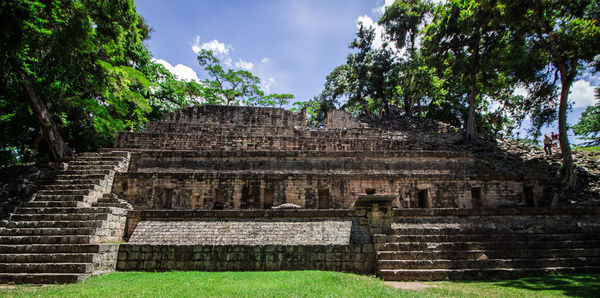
(220, 157)
(198, 188)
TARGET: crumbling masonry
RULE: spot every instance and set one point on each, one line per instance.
(206, 189)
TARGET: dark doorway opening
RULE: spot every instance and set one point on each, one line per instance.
(476, 197)
(323, 198)
(528, 194)
(167, 202)
(219, 198)
(422, 198)
(268, 198)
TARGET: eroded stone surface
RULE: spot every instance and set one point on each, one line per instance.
(328, 232)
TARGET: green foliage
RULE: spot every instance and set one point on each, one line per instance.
(86, 62)
(316, 110)
(563, 38)
(234, 87)
(589, 124)
(467, 43)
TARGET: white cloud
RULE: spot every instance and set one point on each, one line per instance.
(265, 60)
(182, 72)
(266, 84)
(381, 9)
(367, 21)
(243, 64)
(582, 94)
(218, 48)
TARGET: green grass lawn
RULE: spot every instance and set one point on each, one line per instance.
(301, 284)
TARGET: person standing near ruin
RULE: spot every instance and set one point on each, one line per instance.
(554, 137)
(547, 144)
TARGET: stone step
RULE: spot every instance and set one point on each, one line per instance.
(62, 239)
(57, 248)
(90, 167)
(62, 217)
(70, 192)
(57, 224)
(477, 274)
(59, 198)
(95, 162)
(490, 237)
(56, 186)
(83, 173)
(412, 246)
(120, 154)
(110, 201)
(491, 254)
(46, 267)
(450, 229)
(98, 158)
(490, 263)
(42, 278)
(68, 210)
(76, 181)
(48, 258)
(46, 204)
(113, 204)
(75, 177)
(48, 231)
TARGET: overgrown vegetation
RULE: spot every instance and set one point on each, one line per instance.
(302, 284)
(72, 73)
(454, 60)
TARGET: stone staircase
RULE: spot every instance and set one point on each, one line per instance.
(439, 251)
(64, 234)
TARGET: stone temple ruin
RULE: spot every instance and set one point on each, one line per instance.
(219, 188)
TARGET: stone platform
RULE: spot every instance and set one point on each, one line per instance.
(222, 157)
(194, 191)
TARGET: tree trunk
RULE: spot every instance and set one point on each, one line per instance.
(568, 173)
(407, 106)
(470, 132)
(58, 147)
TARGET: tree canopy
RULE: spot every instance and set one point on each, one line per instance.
(460, 61)
(79, 68)
(81, 71)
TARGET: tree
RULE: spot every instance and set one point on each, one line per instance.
(366, 80)
(415, 80)
(467, 41)
(565, 37)
(589, 124)
(234, 87)
(79, 68)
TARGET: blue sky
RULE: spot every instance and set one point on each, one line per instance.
(290, 44)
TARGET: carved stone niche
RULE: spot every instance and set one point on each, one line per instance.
(379, 212)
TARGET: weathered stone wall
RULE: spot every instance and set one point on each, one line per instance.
(175, 141)
(248, 191)
(248, 240)
(212, 114)
(341, 119)
(294, 221)
(347, 258)
(215, 157)
(508, 220)
(243, 232)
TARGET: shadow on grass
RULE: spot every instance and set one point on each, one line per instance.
(579, 285)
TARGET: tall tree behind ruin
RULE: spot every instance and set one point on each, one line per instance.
(467, 41)
(564, 37)
(79, 68)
